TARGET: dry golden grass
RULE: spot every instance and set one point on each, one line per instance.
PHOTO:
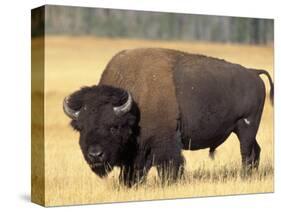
(72, 62)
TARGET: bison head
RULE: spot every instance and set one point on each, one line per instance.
(107, 120)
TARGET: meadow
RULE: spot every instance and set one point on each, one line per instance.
(72, 62)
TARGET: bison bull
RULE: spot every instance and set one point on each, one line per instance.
(151, 104)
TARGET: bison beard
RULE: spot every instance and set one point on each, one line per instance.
(151, 104)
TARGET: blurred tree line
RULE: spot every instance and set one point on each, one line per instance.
(154, 25)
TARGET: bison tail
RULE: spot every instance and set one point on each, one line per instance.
(271, 93)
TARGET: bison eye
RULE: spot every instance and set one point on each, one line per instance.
(114, 130)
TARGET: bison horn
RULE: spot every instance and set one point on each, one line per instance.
(74, 114)
(126, 107)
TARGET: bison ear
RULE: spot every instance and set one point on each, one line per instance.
(75, 125)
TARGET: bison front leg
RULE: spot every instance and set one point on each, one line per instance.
(135, 172)
(169, 171)
(130, 175)
(126, 175)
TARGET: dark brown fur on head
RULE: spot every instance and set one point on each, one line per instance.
(100, 127)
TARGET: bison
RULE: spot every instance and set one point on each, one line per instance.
(152, 103)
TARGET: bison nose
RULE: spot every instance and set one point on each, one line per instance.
(96, 155)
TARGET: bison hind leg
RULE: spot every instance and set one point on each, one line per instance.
(250, 149)
(212, 153)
